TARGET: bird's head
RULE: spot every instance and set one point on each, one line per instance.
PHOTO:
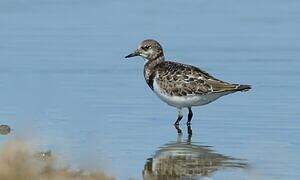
(148, 49)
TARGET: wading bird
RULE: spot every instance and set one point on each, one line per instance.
(180, 85)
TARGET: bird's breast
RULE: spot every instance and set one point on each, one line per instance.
(183, 101)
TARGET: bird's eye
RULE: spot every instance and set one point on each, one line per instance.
(146, 47)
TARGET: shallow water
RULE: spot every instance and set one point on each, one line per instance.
(66, 85)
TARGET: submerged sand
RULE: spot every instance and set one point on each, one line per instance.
(18, 162)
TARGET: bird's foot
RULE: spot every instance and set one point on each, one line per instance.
(179, 131)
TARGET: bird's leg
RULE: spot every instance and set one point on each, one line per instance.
(179, 117)
(190, 116)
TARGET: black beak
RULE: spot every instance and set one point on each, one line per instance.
(135, 53)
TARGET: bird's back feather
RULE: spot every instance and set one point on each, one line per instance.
(182, 80)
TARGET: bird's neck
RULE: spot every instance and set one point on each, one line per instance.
(149, 69)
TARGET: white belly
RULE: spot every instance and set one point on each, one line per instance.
(185, 101)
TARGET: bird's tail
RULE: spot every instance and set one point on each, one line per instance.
(241, 87)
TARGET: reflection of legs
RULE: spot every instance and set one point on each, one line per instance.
(179, 117)
(190, 116)
(179, 138)
(190, 132)
(189, 140)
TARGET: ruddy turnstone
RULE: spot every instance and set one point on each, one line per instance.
(180, 85)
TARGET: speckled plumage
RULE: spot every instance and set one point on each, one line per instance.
(180, 85)
(182, 80)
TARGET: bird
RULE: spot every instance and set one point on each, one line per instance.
(180, 85)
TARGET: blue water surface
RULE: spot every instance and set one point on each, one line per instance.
(65, 84)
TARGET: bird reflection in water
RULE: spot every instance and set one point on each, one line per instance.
(185, 160)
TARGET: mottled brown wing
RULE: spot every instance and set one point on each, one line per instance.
(181, 80)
